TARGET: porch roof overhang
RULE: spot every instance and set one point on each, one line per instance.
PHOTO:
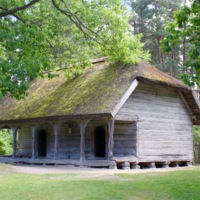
(56, 119)
(194, 105)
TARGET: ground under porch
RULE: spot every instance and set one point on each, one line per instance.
(116, 163)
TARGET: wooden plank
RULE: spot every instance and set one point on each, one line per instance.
(157, 126)
(125, 117)
(125, 97)
(126, 152)
(196, 99)
(186, 103)
(148, 151)
(164, 158)
(120, 144)
(131, 111)
(125, 158)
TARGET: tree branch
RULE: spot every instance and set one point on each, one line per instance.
(13, 11)
(17, 17)
(81, 26)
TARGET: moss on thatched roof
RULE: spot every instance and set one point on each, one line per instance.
(96, 91)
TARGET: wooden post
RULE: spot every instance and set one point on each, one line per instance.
(82, 125)
(56, 128)
(14, 130)
(111, 139)
(34, 132)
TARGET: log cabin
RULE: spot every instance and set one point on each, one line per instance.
(112, 115)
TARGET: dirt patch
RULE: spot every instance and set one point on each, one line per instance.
(60, 172)
(6, 169)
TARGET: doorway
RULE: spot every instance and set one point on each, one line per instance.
(42, 143)
(100, 142)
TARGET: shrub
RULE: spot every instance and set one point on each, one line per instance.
(6, 139)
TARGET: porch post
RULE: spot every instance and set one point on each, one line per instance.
(56, 128)
(82, 125)
(34, 132)
(14, 130)
(110, 140)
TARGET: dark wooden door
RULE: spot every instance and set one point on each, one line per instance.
(100, 142)
(42, 144)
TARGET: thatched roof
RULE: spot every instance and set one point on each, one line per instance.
(94, 93)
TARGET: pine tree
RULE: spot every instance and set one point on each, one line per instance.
(150, 18)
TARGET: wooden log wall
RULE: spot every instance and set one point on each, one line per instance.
(124, 139)
(164, 126)
(24, 141)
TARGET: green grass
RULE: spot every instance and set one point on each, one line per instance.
(183, 184)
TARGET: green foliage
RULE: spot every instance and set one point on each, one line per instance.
(185, 29)
(196, 134)
(64, 34)
(5, 142)
(196, 139)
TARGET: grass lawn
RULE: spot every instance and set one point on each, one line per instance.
(182, 184)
